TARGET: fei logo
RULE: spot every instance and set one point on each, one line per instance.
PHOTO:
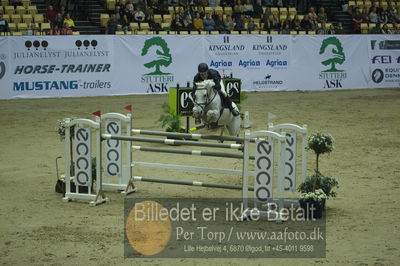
(382, 59)
(385, 59)
(159, 56)
(332, 51)
(2, 65)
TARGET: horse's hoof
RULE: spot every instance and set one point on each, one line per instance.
(213, 125)
(235, 112)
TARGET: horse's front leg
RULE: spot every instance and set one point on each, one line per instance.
(221, 134)
(212, 116)
(197, 113)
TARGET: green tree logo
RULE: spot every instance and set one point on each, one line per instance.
(337, 52)
(163, 56)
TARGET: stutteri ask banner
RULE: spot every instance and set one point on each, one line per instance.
(73, 66)
(153, 64)
(329, 62)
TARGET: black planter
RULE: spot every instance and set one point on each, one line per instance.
(60, 187)
(312, 209)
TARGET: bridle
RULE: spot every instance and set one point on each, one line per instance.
(208, 100)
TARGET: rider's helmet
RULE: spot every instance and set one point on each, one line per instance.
(203, 70)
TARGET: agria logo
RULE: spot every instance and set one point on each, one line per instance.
(332, 51)
(2, 65)
(156, 49)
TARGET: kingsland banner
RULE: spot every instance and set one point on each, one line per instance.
(262, 62)
(79, 65)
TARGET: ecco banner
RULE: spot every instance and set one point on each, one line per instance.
(113, 148)
(264, 169)
(180, 101)
(233, 87)
(82, 156)
(57, 66)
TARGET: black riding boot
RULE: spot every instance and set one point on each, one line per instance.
(230, 105)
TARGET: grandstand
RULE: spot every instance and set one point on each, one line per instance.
(92, 16)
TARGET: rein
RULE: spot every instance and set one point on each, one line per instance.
(204, 105)
(208, 102)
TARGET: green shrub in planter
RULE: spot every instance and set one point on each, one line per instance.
(326, 183)
(170, 120)
(313, 204)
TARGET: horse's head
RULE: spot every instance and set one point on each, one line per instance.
(201, 97)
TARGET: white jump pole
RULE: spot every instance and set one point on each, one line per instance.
(186, 135)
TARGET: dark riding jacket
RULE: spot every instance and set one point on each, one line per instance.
(211, 74)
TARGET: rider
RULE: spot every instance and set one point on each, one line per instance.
(207, 73)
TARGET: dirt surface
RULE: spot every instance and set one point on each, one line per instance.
(37, 228)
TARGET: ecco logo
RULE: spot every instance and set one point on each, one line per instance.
(263, 170)
(290, 164)
(186, 100)
(232, 88)
(83, 164)
(113, 149)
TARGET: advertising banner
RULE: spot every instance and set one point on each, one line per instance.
(56, 66)
(39, 66)
(261, 61)
(74, 66)
(384, 56)
(152, 64)
(328, 62)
